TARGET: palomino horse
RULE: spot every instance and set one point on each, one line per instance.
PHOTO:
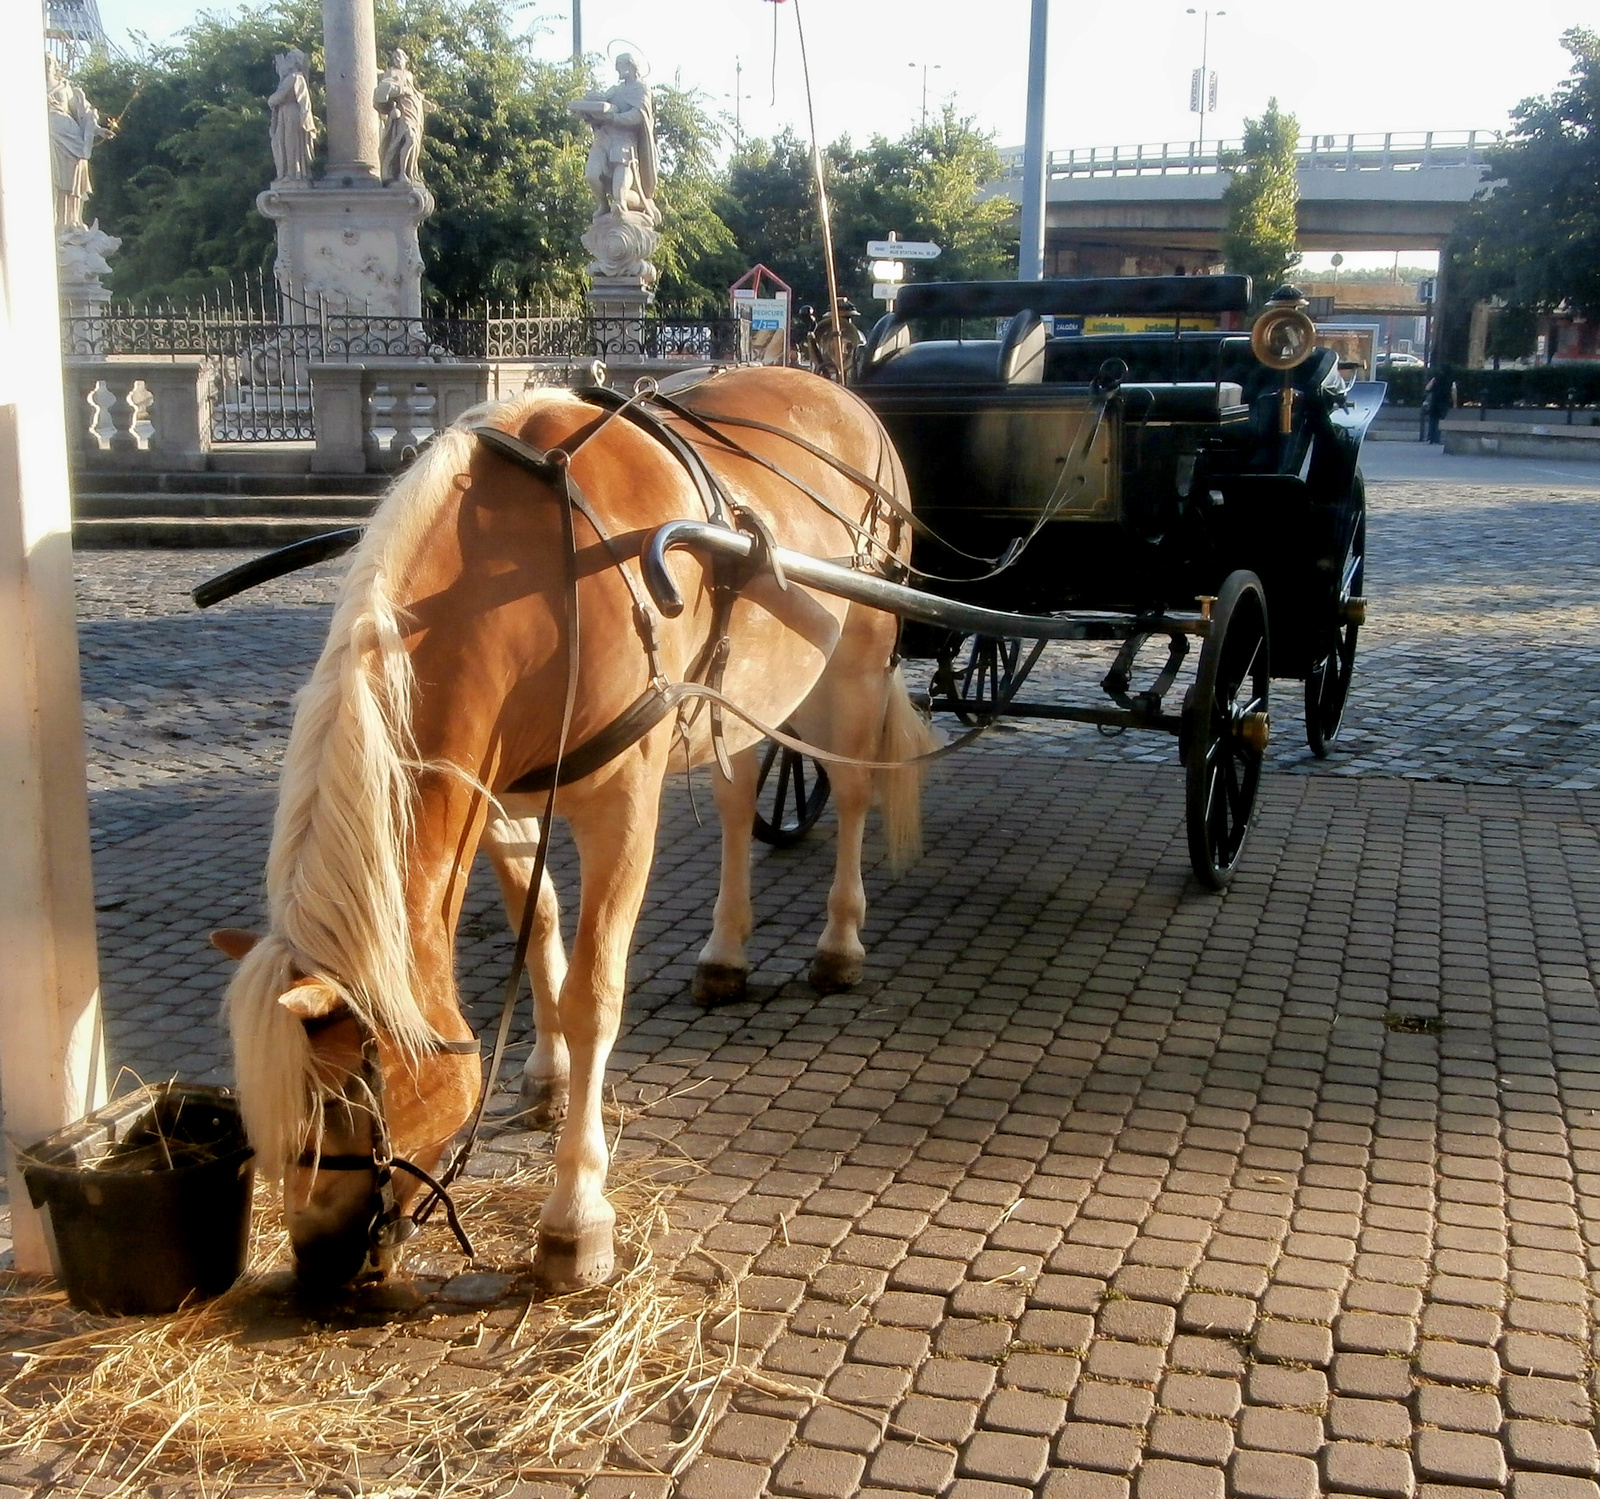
(441, 685)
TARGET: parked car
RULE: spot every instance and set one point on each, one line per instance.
(1401, 362)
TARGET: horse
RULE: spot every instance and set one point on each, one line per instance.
(444, 683)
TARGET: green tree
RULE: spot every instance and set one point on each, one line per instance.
(1534, 235)
(923, 186)
(1259, 240)
(502, 154)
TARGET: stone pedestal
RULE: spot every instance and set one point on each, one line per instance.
(619, 304)
(351, 249)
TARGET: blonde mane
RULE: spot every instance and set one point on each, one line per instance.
(341, 837)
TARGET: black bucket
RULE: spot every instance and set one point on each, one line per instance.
(147, 1200)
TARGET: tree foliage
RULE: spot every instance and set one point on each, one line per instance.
(1534, 236)
(1259, 240)
(923, 186)
(504, 158)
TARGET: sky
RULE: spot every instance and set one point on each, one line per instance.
(1118, 72)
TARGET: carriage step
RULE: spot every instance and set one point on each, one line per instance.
(119, 506)
(264, 532)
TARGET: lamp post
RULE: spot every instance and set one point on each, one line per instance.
(1203, 96)
(1035, 170)
(925, 66)
(577, 31)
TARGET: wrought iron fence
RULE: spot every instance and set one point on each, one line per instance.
(261, 344)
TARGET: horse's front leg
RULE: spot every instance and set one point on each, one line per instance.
(614, 825)
(724, 968)
(511, 843)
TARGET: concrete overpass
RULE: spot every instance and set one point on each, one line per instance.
(1152, 208)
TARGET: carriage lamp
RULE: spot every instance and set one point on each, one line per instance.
(1282, 338)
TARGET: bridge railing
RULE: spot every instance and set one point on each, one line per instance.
(1393, 150)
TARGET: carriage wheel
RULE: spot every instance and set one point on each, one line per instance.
(1225, 729)
(1328, 685)
(788, 804)
(995, 669)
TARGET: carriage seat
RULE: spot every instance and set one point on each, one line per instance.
(1015, 358)
(1208, 402)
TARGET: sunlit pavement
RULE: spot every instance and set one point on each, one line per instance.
(1099, 1182)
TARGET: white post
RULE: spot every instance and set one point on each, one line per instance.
(52, 1059)
(1035, 167)
(350, 53)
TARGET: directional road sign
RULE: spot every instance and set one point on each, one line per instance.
(902, 249)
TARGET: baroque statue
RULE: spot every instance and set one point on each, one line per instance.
(398, 99)
(621, 172)
(75, 130)
(294, 127)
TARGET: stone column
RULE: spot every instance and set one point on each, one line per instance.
(350, 55)
(52, 1058)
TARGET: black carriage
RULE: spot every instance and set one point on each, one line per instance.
(1195, 479)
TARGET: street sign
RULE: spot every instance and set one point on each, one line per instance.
(902, 249)
(888, 270)
(885, 291)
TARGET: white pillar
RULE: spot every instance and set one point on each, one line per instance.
(1035, 165)
(52, 1060)
(350, 66)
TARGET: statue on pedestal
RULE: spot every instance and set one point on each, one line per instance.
(75, 130)
(621, 172)
(398, 99)
(294, 127)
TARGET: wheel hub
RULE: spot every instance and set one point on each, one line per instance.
(1255, 729)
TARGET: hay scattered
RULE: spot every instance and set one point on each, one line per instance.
(254, 1391)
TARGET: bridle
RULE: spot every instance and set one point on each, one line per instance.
(387, 1226)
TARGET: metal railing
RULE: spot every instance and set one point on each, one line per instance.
(260, 345)
(1385, 151)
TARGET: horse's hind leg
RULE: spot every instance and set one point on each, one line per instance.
(511, 843)
(845, 713)
(615, 828)
(724, 968)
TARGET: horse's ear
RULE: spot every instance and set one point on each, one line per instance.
(233, 941)
(311, 999)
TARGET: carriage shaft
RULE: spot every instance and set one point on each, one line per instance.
(895, 598)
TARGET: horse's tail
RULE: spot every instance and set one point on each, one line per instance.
(906, 735)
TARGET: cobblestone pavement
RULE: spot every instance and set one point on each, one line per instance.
(1099, 1184)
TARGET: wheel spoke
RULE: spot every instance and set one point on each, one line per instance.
(799, 790)
(785, 769)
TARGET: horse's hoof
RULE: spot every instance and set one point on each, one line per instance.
(834, 972)
(566, 1262)
(719, 983)
(544, 1100)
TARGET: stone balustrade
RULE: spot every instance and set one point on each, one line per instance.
(139, 413)
(372, 416)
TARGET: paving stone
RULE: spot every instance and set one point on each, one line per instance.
(819, 1473)
(1383, 1421)
(1025, 1413)
(1456, 1457)
(1361, 1468)
(914, 1466)
(1160, 1479)
(1190, 1439)
(1005, 1458)
(1272, 1475)
(1271, 1430)
(1110, 1449)
(1552, 1486)
(1082, 1483)
(1556, 1449)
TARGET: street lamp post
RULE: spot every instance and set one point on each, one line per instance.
(925, 66)
(1035, 170)
(1204, 98)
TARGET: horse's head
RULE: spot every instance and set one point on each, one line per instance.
(343, 1114)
